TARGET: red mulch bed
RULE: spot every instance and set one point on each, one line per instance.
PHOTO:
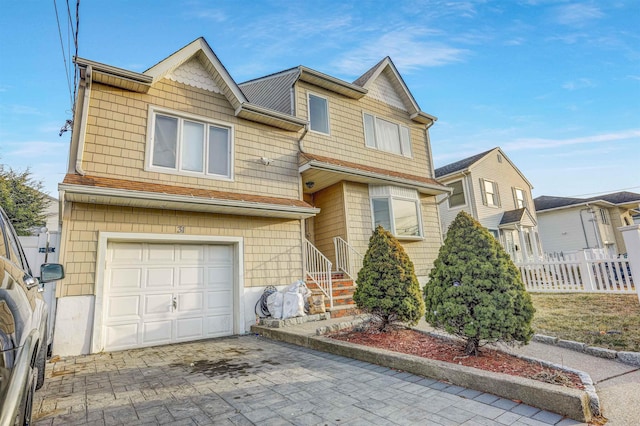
(420, 344)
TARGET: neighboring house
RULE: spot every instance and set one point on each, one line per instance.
(490, 188)
(52, 222)
(570, 224)
(187, 193)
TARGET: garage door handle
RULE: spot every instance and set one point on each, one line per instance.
(174, 303)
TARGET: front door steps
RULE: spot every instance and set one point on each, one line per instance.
(343, 288)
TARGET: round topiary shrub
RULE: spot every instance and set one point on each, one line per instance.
(475, 291)
(387, 287)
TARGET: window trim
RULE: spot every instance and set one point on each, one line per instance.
(390, 196)
(483, 191)
(182, 116)
(400, 126)
(604, 216)
(525, 203)
(309, 94)
(464, 196)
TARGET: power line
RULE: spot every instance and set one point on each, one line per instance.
(64, 57)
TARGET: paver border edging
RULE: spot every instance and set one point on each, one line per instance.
(573, 403)
(625, 357)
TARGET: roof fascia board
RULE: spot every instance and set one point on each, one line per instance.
(288, 122)
(114, 71)
(318, 165)
(331, 83)
(601, 203)
(168, 64)
(154, 196)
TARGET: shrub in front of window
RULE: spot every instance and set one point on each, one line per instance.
(387, 287)
(475, 291)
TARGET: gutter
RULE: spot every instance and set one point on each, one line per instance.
(83, 120)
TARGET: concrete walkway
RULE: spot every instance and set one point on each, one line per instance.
(250, 380)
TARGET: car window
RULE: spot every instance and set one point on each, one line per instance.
(13, 247)
(3, 242)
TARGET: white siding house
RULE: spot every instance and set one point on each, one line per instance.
(571, 224)
(492, 189)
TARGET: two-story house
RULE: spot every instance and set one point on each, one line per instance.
(187, 193)
(494, 191)
(569, 224)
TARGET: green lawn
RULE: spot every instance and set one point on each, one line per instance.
(603, 320)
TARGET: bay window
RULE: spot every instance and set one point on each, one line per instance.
(397, 210)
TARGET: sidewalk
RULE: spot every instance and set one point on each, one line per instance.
(617, 384)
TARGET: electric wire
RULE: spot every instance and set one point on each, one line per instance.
(64, 58)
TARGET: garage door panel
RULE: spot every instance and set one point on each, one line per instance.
(123, 279)
(189, 328)
(191, 277)
(161, 252)
(122, 336)
(219, 325)
(156, 332)
(190, 303)
(123, 307)
(219, 275)
(142, 282)
(158, 278)
(126, 253)
(191, 253)
(222, 299)
(157, 304)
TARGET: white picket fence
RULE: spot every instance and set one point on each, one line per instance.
(585, 271)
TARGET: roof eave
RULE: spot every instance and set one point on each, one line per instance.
(263, 115)
(124, 197)
(328, 82)
(116, 77)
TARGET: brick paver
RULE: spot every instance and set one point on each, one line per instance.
(249, 380)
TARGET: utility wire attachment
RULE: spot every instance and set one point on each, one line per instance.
(68, 125)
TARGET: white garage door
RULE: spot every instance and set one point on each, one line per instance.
(165, 293)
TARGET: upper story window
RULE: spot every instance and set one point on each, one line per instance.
(189, 145)
(318, 114)
(397, 210)
(604, 216)
(520, 198)
(457, 196)
(490, 195)
(386, 136)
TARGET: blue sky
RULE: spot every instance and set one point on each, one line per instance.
(555, 83)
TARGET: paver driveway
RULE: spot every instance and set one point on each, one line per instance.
(250, 380)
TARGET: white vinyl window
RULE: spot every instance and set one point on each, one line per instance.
(189, 145)
(386, 136)
(397, 210)
(604, 216)
(490, 195)
(457, 196)
(520, 198)
(318, 114)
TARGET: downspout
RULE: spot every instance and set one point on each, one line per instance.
(428, 140)
(83, 120)
(596, 229)
(300, 145)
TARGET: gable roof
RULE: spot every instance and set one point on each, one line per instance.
(386, 66)
(624, 199)
(200, 49)
(517, 216)
(460, 165)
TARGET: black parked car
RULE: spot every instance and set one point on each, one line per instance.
(23, 327)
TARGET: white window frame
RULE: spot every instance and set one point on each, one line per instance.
(182, 117)
(326, 100)
(405, 147)
(516, 199)
(604, 217)
(464, 197)
(485, 193)
(391, 193)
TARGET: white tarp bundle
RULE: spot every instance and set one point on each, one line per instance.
(288, 302)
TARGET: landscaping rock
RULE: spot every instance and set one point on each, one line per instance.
(601, 352)
(570, 344)
(549, 340)
(632, 358)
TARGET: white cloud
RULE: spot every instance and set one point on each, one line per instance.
(581, 83)
(542, 143)
(410, 49)
(577, 14)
